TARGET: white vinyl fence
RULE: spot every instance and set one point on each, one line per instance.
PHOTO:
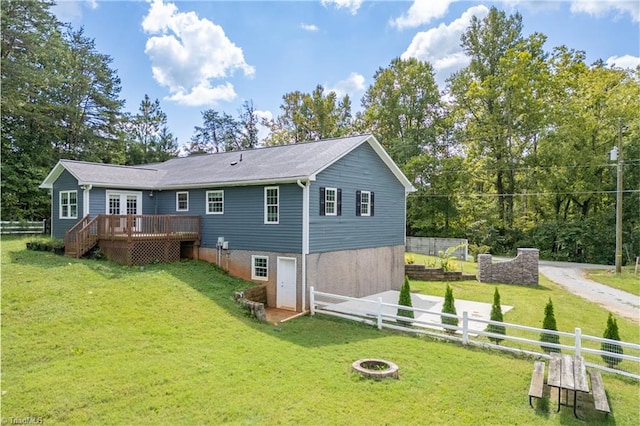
(22, 227)
(472, 330)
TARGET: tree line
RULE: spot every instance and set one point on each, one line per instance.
(513, 152)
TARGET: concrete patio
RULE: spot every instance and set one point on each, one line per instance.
(433, 304)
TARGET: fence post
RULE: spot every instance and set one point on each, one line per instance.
(312, 301)
(465, 328)
(379, 313)
(578, 341)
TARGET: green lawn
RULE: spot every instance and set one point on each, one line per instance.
(90, 342)
(627, 281)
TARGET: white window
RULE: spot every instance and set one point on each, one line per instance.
(260, 268)
(68, 204)
(365, 199)
(271, 204)
(215, 202)
(182, 201)
(330, 201)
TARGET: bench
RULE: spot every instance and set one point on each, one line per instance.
(537, 381)
(599, 396)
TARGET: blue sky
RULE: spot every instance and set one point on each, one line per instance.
(196, 55)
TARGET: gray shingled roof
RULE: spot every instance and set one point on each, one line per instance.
(262, 165)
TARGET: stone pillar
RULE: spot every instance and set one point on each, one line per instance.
(484, 268)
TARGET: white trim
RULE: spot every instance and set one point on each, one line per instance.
(254, 276)
(178, 209)
(368, 203)
(206, 201)
(305, 238)
(335, 201)
(266, 206)
(85, 200)
(69, 215)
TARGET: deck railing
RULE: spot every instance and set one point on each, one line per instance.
(87, 232)
(148, 226)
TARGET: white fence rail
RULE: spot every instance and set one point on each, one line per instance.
(22, 227)
(473, 331)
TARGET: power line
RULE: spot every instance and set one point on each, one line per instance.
(532, 194)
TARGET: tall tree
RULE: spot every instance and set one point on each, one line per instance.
(89, 103)
(248, 119)
(310, 116)
(219, 132)
(402, 109)
(59, 100)
(149, 137)
(500, 102)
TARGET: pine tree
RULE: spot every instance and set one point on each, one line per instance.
(496, 315)
(611, 333)
(549, 323)
(405, 300)
(449, 307)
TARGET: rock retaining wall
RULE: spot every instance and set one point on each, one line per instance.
(523, 269)
(422, 273)
(254, 300)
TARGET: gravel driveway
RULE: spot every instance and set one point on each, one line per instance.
(571, 276)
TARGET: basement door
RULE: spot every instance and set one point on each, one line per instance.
(286, 275)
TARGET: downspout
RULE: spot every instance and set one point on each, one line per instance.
(305, 238)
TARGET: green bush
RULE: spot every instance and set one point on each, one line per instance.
(549, 323)
(449, 307)
(405, 300)
(475, 250)
(496, 315)
(46, 244)
(611, 333)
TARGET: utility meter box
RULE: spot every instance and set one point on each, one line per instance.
(225, 245)
(220, 242)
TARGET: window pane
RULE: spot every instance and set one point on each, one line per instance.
(215, 202)
(271, 205)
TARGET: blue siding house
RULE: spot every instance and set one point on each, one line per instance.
(329, 214)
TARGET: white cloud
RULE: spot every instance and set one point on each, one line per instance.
(352, 5)
(421, 12)
(309, 27)
(187, 53)
(626, 61)
(349, 86)
(71, 11)
(441, 45)
(600, 8)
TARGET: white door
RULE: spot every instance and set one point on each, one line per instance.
(123, 203)
(286, 292)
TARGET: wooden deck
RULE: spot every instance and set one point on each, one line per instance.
(134, 239)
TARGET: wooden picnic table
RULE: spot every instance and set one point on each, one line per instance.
(568, 372)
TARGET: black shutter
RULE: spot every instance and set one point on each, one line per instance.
(371, 203)
(358, 201)
(322, 201)
(339, 197)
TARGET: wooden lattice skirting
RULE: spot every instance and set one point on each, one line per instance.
(141, 252)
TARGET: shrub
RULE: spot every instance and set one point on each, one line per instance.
(405, 300)
(449, 307)
(475, 250)
(549, 323)
(409, 259)
(611, 333)
(46, 244)
(496, 315)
